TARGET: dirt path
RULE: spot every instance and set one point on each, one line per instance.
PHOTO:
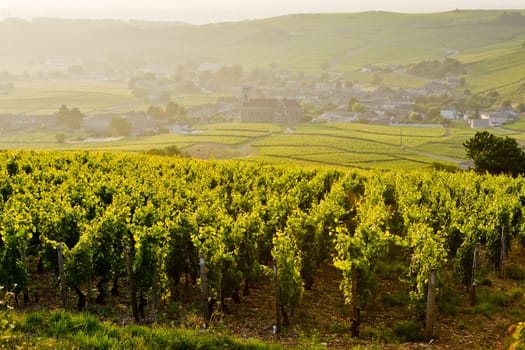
(433, 156)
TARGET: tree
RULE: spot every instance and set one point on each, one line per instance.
(120, 127)
(506, 103)
(433, 112)
(60, 138)
(415, 117)
(358, 107)
(495, 155)
(69, 118)
(139, 93)
(352, 101)
(174, 110)
(377, 79)
(156, 112)
(204, 77)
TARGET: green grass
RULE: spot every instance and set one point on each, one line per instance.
(64, 330)
(490, 303)
(503, 72)
(402, 81)
(379, 129)
(255, 127)
(234, 133)
(518, 125)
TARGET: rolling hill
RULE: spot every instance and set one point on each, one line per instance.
(489, 43)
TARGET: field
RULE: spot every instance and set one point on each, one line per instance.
(45, 96)
(349, 41)
(354, 145)
(346, 145)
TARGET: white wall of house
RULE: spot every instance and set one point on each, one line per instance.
(449, 113)
(479, 123)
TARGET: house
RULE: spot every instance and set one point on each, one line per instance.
(509, 111)
(496, 119)
(399, 109)
(338, 116)
(479, 123)
(454, 82)
(449, 113)
(370, 69)
(271, 110)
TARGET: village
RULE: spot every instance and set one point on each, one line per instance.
(263, 95)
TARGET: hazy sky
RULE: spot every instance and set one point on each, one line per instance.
(204, 11)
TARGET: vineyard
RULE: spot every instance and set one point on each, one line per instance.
(98, 224)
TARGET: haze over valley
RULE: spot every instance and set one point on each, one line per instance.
(76, 81)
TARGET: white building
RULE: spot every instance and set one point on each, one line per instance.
(449, 114)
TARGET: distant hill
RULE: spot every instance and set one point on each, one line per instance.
(488, 42)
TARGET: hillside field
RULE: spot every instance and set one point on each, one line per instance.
(353, 145)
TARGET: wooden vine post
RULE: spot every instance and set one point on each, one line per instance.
(204, 290)
(431, 306)
(474, 275)
(355, 312)
(90, 290)
(277, 326)
(154, 293)
(24, 257)
(131, 281)
(503, 253)
(62, 275)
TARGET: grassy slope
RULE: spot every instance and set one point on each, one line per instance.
(500, 70)
(46, 96)
(352, 40)
(296, 42)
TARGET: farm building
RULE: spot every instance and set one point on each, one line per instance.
(271, 110)
(479, 123)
